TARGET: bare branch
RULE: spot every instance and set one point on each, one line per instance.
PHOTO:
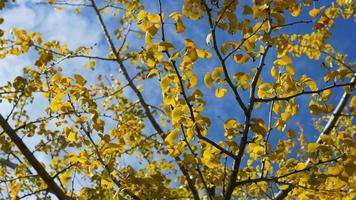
(8, 163)
(63, 3)
(267, 137)
(293, 23)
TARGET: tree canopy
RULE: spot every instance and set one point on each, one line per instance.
(189, 99)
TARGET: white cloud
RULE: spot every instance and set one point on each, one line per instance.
(65, 26)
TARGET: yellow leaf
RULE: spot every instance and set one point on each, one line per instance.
(313, 147)
(65, 107)
(65, 178)
(19, 82)
(220, 92)
(250, 44)
(225, 46)
(287, 60)
(141, 15)
(72, 137)
(208, 80)
(335, 170)
(210, 157)
(274, 72)
(172, 136)
(175, 56)
(241, 59)
(315, 108)
(91, 64)
(247, 10)
(291, 133)
(179, 24)
(230, 124)
(314, 12)
(300, 166)
(353, 102)
(106, 183)
(193, 80)
(296, 10)
(188, 43)
(309, 82)
(177, 115)
(14, 51)
(290, 70)
(325, 95)
(203, 54)
(264, 90)
(77, 10)
(326, 138)
(80, 119)
(165, 46)
(79, 79)
(190, 134)
(217, 73)
(285, 116)
(165, 83)
(284, 60)
(258, 126)
(98, 124)
(283, 187)
(350, 166)
(189, 56)
(192, 10)
(152, 30)
(153, 18)
(168, 66)
(242, 78)
(55, 104)
(259, 150)
(277, 108)
(153, 72)
(279, 17)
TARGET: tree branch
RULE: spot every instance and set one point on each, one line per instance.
(139, 95)
(326, 131)
(248, 114)
(276, 178)
(8, 163)
(222, 60)
(41, 171)
(293, 23)
(351, 83)
(201, 176)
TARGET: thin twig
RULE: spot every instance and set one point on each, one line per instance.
(267, 137)
(293, 23)
(351, 83)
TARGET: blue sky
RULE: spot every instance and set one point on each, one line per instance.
(77, 30)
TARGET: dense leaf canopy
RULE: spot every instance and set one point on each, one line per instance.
(192, 99)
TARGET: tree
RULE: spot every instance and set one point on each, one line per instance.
(216, 113)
